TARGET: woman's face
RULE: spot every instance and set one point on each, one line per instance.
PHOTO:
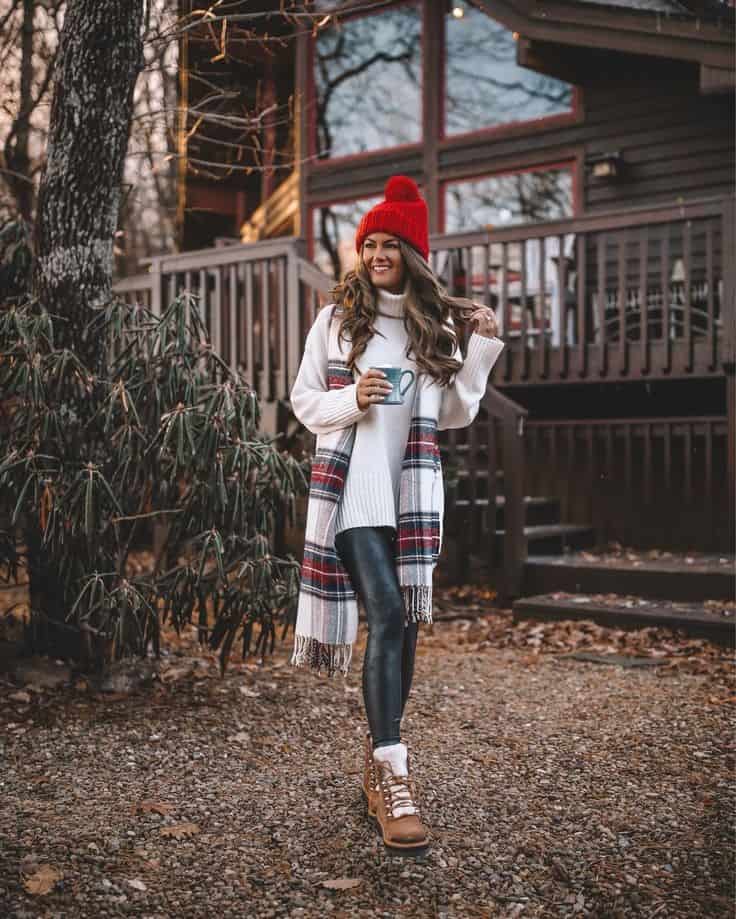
(385, 263)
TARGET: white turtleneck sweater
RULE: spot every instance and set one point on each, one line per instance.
(381, 435)
(371, 493)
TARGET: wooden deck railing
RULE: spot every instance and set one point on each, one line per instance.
(488, 521)
(646, 293)
(639, 481)
(642, 294)
(258, 301)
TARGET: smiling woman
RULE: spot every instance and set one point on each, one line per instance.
(376, 499)
(383, 259)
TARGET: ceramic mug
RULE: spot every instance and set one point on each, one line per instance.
(394, 375)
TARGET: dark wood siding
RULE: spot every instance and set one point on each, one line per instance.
(675, 141)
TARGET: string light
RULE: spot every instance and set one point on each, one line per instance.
(458, 12)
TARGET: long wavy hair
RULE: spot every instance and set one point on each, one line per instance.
(434, 321)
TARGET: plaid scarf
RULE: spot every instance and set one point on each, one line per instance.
(327, 611)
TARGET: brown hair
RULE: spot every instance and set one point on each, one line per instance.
(427, 308)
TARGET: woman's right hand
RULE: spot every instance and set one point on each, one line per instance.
(372, 387)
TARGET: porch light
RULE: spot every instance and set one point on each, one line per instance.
(458, 12)
(605, 165)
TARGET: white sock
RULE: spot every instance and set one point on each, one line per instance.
(397, 755)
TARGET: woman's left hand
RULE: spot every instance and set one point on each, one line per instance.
(484, 320)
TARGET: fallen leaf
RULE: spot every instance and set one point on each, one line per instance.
(251, 693)
(727, 700)
(341, 883)
(42, 881)
(176, 673)
(155, 807)
(179, 830)
(137, 885)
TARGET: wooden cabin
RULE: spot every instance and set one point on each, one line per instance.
(577, 157)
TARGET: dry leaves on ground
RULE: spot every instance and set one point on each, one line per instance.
(154, 807)
(42, 881)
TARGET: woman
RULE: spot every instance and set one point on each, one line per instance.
(376, 501)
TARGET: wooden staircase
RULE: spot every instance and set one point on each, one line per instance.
(520, 544)
(470, 529)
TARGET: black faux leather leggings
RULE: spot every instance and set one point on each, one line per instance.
(369, 556)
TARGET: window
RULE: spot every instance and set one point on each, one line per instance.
(333, 233)
(535, 273)
(497, 200)
(484, 86)
(368, 82)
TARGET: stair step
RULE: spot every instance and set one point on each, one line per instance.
(481, 473)
(553, 538)
(537, 511)
(543, 573)
(627, 613)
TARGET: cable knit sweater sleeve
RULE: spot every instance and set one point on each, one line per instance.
(320, 410)
(461, 398)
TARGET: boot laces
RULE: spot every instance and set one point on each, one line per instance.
(398, 792)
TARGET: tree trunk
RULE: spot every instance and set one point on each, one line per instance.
(99, 58)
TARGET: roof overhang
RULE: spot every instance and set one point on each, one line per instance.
(629, 30)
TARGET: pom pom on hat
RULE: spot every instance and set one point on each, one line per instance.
(401, 188)
(403, 213)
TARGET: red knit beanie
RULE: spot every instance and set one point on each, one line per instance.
(402, 214)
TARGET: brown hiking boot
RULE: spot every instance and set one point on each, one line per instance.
(396, 810)
(369, 776)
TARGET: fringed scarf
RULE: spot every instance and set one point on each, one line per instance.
(327, 612)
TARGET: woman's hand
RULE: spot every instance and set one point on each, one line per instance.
(372, 387)
(484, 320)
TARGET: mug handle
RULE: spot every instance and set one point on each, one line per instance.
(404, 391)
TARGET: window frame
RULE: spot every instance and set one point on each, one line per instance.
(570, 163)
(320, 163)
(520, 127)
(438, 160)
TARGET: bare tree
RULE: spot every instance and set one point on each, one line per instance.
(29, 37)
(147, 223)
(227, 127)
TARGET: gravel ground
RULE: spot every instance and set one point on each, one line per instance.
(552, 786)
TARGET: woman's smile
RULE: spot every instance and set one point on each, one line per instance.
(384, 261)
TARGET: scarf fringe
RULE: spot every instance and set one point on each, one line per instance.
(311, 652)
(418, 603)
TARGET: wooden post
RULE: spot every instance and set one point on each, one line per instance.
(302, 124)
(731, 442)
(728, 352)
(514, 549)
(156, 287)
(293, 318)
(432, 89)
(728, 302)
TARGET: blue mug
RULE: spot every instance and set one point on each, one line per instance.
(394, 376)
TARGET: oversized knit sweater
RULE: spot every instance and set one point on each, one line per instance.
(371, 493)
